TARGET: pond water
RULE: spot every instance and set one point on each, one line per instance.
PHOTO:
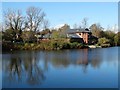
(81, 68)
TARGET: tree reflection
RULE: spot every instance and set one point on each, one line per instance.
(35, 73)
(95, 62)
(82, 57)
(15, 68)
(26, 65)
(57, 62)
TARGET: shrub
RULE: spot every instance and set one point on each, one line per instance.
(103, 41)
(105, 45)
(65, 46)
(73, 45)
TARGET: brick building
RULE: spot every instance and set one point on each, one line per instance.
(80, 35)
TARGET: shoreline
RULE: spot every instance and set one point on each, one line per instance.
(33, 46)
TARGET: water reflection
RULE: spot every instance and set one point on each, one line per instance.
(30, 66)
(23, 66)
(82, 57)
(34, 71)
(14, 69)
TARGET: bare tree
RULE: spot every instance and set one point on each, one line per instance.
(35, 17)
(84, 22)
(75, 26)
(46, 24)
(13, 19)
(96, 30)
(1, 27)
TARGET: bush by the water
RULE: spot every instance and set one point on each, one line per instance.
(43, 45)
(104, 42)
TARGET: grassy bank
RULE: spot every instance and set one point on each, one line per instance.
(43, 45)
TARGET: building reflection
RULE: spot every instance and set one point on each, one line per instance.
(82, 58)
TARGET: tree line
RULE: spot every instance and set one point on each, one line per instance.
(25, 27)
(105, 37)
(19, 28)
